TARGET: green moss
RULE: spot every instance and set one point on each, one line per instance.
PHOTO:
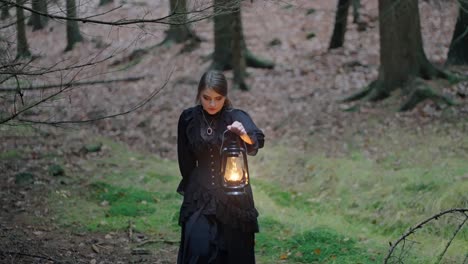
(24, 178)
(318, 245)
(125, 201)
(324, 245)
(131, 209)
(56, 170)
(10, 155)
(282, 196)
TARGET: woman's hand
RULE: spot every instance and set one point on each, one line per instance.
(239, 129)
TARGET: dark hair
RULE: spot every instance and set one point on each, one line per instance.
(213, 80)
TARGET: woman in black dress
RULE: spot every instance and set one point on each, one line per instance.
(216, 227)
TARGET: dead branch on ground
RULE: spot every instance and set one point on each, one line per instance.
(403, 239)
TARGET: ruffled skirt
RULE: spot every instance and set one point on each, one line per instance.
(235, 211)
(217, 228)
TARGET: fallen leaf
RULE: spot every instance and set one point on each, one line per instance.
(95, 248)
(38, 233)
(317, 251)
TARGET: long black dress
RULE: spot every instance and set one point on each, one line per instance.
(216, 228)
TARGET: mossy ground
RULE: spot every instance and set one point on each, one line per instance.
(314, 208)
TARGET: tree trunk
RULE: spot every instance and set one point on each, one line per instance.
(73, 32)
(222, 36)
(5, 13)
(238, 58)
(458, 51)
(341, 20)
(356, 6)
(105, 2)
(402, 58)
(38, 21)
(22, 45)
(181, 32)
(222, 56)
(402, 55)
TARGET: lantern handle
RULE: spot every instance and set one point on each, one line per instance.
(222, 141)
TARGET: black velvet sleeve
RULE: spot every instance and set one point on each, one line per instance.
(186, 158)
(252, 130)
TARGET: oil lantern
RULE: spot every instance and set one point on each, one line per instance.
(234, 168)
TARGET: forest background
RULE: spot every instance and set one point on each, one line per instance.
(87, 154)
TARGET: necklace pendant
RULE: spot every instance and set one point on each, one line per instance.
(209, 131)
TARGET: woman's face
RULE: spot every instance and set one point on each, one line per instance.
(212, 101)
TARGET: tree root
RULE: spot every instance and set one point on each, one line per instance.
(373, 92)
(255, 62)
(417, 89)
(250, 60)
(358, 95)
(241, 86)
(423, 92)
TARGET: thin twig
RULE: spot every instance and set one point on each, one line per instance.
(58, 85)
(451, 239)
(420, 225)
(50, 69)
(28, 255)
(161, 20)
(132, 109)
(61, 90)
(171, 242)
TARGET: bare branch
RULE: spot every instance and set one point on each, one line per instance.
(451, 239)
(47, 70)
(29, 255)
(132, 109)
(9, 25)
(420, 225)
(71, 84)
(162, 20)
(45, 99)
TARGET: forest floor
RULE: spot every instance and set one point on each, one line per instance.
(295, 104)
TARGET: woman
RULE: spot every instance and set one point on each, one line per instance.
(216, 228)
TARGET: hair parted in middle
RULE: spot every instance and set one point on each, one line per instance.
(215, 80)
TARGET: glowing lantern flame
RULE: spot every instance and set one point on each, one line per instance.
(234, 172)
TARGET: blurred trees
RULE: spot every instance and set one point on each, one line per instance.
(238, 48)
(403, 63)
(38, 21)
(341, 20)
(227, 13)
(22, 70)
(105, 2)
(5, 13)
(73, 31)
(458, 52)
(179, 29)
(22, 47)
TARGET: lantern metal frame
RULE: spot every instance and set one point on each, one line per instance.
(234, 149)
